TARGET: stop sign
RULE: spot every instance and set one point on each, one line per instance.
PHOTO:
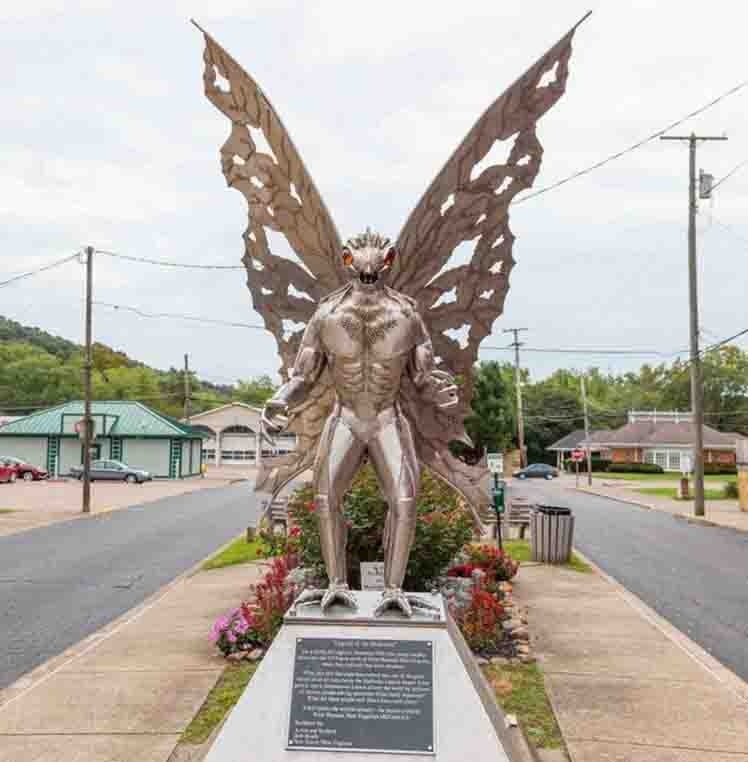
(577, 455)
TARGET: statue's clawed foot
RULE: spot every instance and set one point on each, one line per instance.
(395, 598)
(337, 592)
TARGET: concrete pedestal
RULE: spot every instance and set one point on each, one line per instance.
(468, 723)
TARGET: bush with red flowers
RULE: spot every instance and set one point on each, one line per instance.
(497, 566)
(481, 621)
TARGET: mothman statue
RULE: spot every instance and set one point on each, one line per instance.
(371, 372)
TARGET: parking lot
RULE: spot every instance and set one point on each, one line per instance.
(26, 505)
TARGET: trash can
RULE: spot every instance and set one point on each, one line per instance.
(551, 534)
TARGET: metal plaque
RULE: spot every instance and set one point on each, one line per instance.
(360, 694)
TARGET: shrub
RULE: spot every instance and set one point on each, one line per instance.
(442, 529)
(498, 566)
(480, 622)
(635, 468)
(257, 623)
(598, 464)
(713, 469)
(730, 490)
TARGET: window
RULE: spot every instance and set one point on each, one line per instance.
(661, 459)
(674, 457)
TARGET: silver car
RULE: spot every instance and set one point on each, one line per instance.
(114, 471)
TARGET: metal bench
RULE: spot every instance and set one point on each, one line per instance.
(276, 514)
(517, 517)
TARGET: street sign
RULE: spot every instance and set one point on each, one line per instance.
(577, 455)
(495, 461)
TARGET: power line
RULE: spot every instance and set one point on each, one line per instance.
(729, 174)
(589, 351)
(42, 269)
(634, 147)
(165, 263)
(178, 316)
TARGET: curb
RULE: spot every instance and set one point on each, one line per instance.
(647, 507)
(735, 684)
(41, 673)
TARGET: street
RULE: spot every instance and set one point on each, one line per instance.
(694, 576)
(60, 583)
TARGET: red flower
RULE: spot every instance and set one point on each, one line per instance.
(311, 507)
(295, 532)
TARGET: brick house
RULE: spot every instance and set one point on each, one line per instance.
(665, 439)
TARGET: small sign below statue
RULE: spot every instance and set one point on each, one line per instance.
(372, 575)
(360, 694)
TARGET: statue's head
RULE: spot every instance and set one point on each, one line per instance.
(368, 255)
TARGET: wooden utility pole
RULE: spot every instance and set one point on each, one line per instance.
(587, 432)
(187, 388)
(518, 384)
(693, 304)
(87, 371)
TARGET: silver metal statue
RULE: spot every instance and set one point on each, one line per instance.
(370, 372)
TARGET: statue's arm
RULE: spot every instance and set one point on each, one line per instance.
(309, 364)
(435, 385)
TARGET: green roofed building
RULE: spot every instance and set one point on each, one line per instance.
(125, 431)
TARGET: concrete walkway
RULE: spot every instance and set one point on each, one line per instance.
(126, 693)
(625, 685)
(725, 513)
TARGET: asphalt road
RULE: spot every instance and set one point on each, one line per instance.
(694, 576)
(60, 583)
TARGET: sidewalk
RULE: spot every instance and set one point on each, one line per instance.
(625, 685)
(126, 693)
(725, 513)
(27, 505)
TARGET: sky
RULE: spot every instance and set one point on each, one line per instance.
(106, 139)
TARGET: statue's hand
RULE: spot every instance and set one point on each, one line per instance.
(444, 389)
(275, 415)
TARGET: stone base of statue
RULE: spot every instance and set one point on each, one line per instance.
(345, 685)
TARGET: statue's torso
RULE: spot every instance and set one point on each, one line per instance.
(367, 340)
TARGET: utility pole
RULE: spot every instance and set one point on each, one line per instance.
(587, 432)
(518, 384)
(693, 304)
(87, 371)
(187, 388)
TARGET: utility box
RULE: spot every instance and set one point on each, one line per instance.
(551, 534)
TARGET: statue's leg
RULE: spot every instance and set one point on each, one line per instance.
(394, 458)
(338, 459)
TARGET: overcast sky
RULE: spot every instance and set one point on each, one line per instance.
(107, 139)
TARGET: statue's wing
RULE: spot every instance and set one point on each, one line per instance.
(468, 201)
(260, 160)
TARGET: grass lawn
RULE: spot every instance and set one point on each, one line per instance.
(671, 492)
(520, 690)
(239, 552)
(7, 510)
(220, 701)
(670, 476)
(519, 550)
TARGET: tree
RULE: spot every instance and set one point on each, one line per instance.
(255, 391)
(491, 425)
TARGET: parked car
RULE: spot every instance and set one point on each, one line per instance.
(113, 470)
(24, 470)
(8, 472)
(537, 471)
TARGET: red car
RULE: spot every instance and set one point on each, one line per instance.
(24, 470)
(8, 472)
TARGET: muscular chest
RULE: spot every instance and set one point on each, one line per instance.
(376, 331)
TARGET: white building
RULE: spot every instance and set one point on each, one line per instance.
(233, 435)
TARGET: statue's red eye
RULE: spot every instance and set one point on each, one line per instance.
(347, 257)
(389, 257)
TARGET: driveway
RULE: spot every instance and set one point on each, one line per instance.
(695, 576)
(60, 583)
